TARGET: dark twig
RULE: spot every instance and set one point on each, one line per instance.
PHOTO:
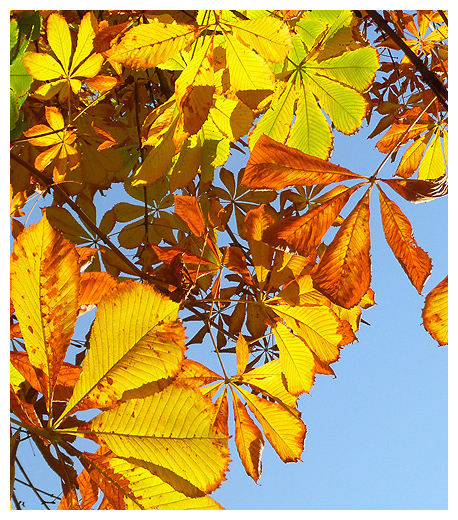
(429, 77)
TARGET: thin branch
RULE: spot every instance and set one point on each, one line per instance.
(32, 487)
(429, 77)
(84, 218)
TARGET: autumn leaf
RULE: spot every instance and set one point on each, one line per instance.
(399, 235)
(172, 431)
(417, 190)
(44, 290)
(60, 141)
(435, 312)
(344, 271)
(297, 362)
(273, 165)
(248, 439)
(242, 352)
(189, 211)
(303, 234)
(148, 45)
(284, 431)
(136, 333)
(64, 71)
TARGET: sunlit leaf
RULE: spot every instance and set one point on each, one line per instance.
(242, 352)
(284, 431)
(171, 430)
(189, 211)
(399, 235)
(415, 190)
(297, 361)
(273, 165)
(435, 312)
(136, 339)
(344, 271)
(248, 439)
(44, 289)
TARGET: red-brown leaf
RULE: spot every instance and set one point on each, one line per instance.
(344, 271)
(273, 165)
(417, 190)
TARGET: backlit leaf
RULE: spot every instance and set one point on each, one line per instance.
(136, 339)
(248, 439)
(415, 190)
(189, 211)
(148, 45)
(170, 429)
(284, 431)
(304, 233)
(59, 38)
(297, 361)
(242, 352)
(344, 271)
(44, 290)
(399, 235)
(435, 312)
(273, 165)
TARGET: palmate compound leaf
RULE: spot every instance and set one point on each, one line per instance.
(399, 235)
(435, 312)
(344, 271)
(171, 432)
(136, 339)
(45, 282)
(128, 486)
(273, 165)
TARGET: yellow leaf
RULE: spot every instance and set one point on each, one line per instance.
(59, 38)
(131, 486)
(433, 164)
(248, 439)
(89, 68)
(344, 271)
(171, 430)
(148, 45)
(84, 44)
(284, 431)
(44, 290)
(242, 353)
(267, 35)
(297, 361)
(136, 339)
(435, 312)
(268, 379)
(320, 328)
(399, 235)
(43, 66)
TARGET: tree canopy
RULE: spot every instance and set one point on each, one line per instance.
(269, 265)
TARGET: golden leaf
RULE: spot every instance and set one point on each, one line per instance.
(435, 312)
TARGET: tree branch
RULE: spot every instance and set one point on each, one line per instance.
(429, 77)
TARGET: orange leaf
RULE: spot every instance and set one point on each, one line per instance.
(242, 353)
(400, 133)
(417, 190)
(344, 271)
(256, 222)
(188, 210)
(248, 439)
(94, 286)
(273, 165)
(303, 234)
(399, 235)
(234, 260)
(435, 312)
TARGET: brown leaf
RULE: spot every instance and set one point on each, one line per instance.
(344, 271)
(417, 190)
(399, 235)
(273, 165)
(188, 210)
(303, 234)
